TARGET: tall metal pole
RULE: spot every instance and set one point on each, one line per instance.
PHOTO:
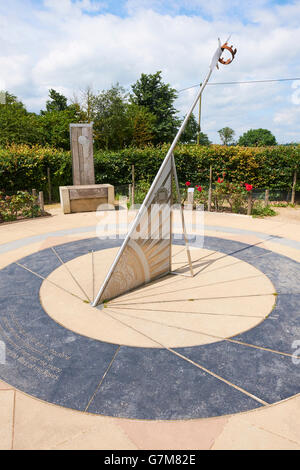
(213, 64)
(199, 119)
(133, 185)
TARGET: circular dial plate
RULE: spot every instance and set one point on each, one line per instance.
(163, 381)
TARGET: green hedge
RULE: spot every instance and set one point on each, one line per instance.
(24, 168)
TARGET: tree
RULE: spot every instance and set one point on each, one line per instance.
(13, 101)
(203, 139)
(226, 135)
(158, 98)
(17, 125)
(56, 126)
(257, 138)
(141, 125)
(111, 120)
(57, 102)
(56, 120)
(190, 133)
(87, 102)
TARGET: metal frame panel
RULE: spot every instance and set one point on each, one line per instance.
(128, 247)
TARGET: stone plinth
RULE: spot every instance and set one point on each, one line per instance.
(86, 198)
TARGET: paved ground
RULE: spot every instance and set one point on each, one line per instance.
(28, 423)
(288, 214)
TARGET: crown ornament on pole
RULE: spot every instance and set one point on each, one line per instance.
(232, 52)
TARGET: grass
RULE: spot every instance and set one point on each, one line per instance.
(282, 204)
(259, 210)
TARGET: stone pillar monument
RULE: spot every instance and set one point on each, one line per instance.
(84, 195)
(81, 136)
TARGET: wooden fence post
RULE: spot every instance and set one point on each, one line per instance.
(41, 201)
(249, 209)
(267, 195)
(190, 198)
(49, 186)
(35, 201)
(133, 185)
(294, 188)
(209, 189)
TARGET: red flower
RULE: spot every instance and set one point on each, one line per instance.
(188, 183)
(249, 187)
(199, 188)
(220, 180)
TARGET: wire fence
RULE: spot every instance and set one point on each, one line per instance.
(254, 202)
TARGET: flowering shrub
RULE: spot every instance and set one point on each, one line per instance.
(234, 194)
(20, 205)
(201, 196)
(225, 196)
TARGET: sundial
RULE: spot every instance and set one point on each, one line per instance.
(179, 348)
(103, 326)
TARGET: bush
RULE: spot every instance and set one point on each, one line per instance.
(230, 194)
(259, 210)
(269, 167)
(225, 196)
(23, 167)
(141, 192)
(20, 205)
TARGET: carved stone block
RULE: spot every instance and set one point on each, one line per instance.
(86, 198)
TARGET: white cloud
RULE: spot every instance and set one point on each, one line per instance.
(287, 116)
(12, 70)
(66, 7)
(68, 45)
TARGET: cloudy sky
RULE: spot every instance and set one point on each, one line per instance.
(67, 45)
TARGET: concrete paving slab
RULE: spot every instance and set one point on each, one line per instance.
(271, 427)
(7, 418)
